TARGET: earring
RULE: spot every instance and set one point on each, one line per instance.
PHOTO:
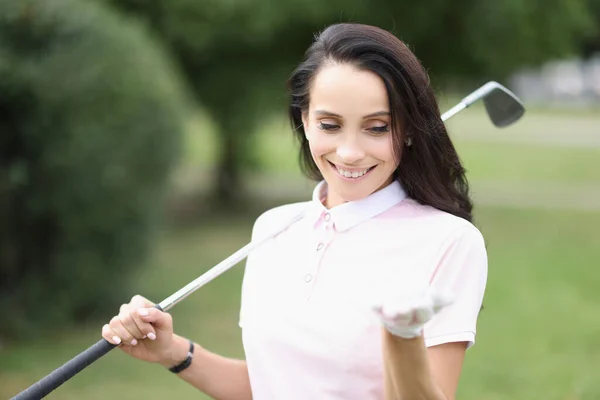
(408, 141)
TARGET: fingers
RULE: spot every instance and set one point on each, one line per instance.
(130, 325)
(417, 311)
(133, 323)
(406, 312)
(422, 315)
(145, 313)
(160, 320)
(397, 314)
(140, 301)
(110, 336)
(117, 327)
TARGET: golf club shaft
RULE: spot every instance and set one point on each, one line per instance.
(62, 374)
(453, 111)
(467, 101)
(211, 274)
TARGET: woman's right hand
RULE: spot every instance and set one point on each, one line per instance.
(141, 330)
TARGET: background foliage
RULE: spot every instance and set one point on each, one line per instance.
(237, 54)
(91, 117)
(118, 117)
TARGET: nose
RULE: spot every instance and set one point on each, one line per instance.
(350, 150)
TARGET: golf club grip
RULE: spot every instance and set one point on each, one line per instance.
(44, 386)
(62, 374)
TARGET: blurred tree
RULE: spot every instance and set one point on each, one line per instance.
(237, 54)
(591, 43)
(91, 118)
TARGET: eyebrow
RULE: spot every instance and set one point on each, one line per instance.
(332, 114)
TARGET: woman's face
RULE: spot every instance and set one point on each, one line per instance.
(348, 126)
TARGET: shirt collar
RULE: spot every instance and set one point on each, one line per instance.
(350, 214)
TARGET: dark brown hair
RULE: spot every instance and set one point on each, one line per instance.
(430, 170)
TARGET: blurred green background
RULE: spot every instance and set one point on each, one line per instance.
(139, 140)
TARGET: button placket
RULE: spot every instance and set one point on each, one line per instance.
(324, 236)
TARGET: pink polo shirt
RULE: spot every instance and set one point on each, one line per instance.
(307, 327)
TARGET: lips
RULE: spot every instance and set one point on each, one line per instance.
(351, 173)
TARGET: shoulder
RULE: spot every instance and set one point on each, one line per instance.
(433, 225)
(276, 216)
(457, 248)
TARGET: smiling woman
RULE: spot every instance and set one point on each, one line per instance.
(373, 292)
(349, 131)
(360, 78)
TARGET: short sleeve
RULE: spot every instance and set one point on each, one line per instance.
(461, 271)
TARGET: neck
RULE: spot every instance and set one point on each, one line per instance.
(332, 200)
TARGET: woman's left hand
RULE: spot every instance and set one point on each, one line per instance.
(405, 313)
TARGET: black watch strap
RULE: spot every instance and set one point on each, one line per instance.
(185, 363)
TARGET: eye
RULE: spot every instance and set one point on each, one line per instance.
(380, 129)
(327, 127)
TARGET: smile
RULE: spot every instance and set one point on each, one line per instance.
(352, 174)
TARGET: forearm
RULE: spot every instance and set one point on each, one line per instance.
(219, 377)
(408, 374)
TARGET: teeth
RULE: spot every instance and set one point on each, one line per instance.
(355, 174)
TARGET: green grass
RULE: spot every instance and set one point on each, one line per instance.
(529, 163)
(537, 334)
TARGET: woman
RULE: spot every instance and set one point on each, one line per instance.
(375, 292)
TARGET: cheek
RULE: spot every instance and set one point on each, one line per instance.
(320, 145)
(384, 150)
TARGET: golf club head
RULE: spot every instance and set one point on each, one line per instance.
(503, 106)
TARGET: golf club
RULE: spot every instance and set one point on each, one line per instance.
(503, 108)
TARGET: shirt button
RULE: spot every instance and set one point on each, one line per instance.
(327, 217)
(319, 246)
(307, 278)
